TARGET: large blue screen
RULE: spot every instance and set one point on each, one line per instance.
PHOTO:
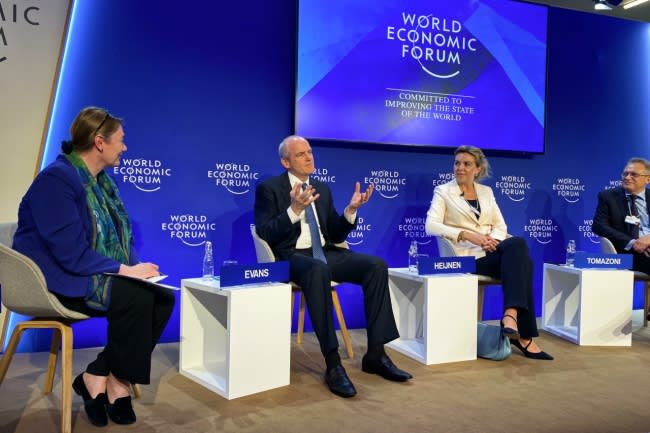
(422, 72)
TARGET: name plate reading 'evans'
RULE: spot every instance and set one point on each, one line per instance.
(597, 260)
(236, 275)
(446, 265)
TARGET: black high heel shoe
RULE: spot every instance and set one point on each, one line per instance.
(95, 407)
(507, 331)
(532, 355)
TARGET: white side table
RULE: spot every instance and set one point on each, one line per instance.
(235, 341)
(589, 307)
(435, 315)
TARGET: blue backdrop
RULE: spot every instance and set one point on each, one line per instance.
(207, 93)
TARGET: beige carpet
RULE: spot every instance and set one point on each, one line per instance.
(586, 389)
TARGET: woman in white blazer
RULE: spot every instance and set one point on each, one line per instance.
(466, 212)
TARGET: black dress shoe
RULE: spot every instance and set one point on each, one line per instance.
(95, 407)
(385, 368)
(121, 411)
(507, 331)
(532, 355)
(339, 383)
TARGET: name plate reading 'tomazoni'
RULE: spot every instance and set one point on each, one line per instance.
(597, 260)
(236, 275)
(446, 265)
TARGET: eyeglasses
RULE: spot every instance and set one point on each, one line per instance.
(632, 174)
(101, 124)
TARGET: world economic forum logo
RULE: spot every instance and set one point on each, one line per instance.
(414, 228)
(387, 183)
(192, 230)
(513, 187)
(357, 235)
(442, 179)
(235, 178)
(436, 43)
(145, 174)
(18, 14)
(324, 175)
(585, 229)
(569, 188)
(613, 183)
(541, 229)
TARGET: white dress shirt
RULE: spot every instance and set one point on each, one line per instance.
(304, 240)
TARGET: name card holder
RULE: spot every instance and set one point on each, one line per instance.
(599, 260)
(237, 275)
(446, 265)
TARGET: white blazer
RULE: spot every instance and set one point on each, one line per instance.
(449, 214)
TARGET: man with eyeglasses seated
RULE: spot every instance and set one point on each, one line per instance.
(622, 214)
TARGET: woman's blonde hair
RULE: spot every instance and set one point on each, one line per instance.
(481, 161)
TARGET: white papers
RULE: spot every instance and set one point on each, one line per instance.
(151, 282)
(156, 278)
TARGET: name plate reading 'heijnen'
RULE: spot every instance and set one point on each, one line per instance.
(446, 265)
(597, 260)
(236, 275)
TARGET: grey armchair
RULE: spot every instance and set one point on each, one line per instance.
(7, 231)
(24, 291)
(446, 249)
(265, 255)
(607, 247)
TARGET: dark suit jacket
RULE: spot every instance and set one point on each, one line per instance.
(609, 220)
(274, 226)
(55, 230)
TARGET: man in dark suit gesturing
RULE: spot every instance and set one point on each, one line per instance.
(290, 211)
(622, 214)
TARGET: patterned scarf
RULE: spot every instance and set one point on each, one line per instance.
(111, 228)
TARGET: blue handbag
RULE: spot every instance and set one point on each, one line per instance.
(491, 343)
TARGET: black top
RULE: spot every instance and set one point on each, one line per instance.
(476, 207)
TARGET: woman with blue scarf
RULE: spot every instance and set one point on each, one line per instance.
(73, 224)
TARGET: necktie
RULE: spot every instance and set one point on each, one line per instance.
(316, 248)
(634, 228)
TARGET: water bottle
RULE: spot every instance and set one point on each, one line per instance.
(571, 253)
(208, 264)
(413, 256)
